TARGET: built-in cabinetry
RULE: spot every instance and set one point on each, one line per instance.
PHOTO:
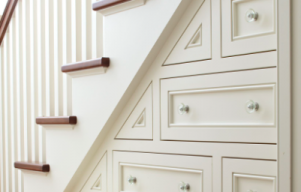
(189, 130)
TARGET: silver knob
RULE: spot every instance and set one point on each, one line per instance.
(252, 106)
(184, 187)
(251, 15)
(183, 109)
(132, 180)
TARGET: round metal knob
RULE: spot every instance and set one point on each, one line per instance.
(184, 187)
(132, 180)
(251, 15)
(252, 106)
(183, 109)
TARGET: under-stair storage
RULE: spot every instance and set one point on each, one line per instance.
(248, 26)
(230, 107)
(249, 175)
(161, 172)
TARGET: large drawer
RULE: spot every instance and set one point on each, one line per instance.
(145, 172)
(249, 175)
(231, 107)
(248, 26)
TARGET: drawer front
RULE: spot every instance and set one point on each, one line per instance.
(249, 175)
(248, 26)
(145, 172)
(238, 106)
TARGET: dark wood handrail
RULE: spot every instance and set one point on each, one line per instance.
(63, 120)
(6, 17)
(98, 5)
(101, 62)
(32, 166)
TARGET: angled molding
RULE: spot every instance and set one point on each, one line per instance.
(86, 68)
(108, 7)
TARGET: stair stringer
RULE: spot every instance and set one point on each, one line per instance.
(97, 100)
(150, 72)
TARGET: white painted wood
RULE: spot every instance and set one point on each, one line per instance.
(296, 156)
(121, 7)
(249, 175)
(139, 124)
(242, 37)
(156, 172)
(217, 107)
(88, 72)
(194, 43)
(98, 179)
(40, 40)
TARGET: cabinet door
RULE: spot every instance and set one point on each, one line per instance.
(249, 175)
(248, 26)
(229, 107)
(145, 172)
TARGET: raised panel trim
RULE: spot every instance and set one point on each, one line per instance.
(253, 35)
(171, 93)
(237, 175)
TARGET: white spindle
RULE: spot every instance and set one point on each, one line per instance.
(42, 36)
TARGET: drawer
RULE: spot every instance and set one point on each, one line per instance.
(237, 107)
(145, 172)
(248, 26)
(249, 175)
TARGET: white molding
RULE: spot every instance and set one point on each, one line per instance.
(88, 72)
(235, 176)
(121, 7)
(284, 97)
(58, 126)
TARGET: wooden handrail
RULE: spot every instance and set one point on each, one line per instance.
(32, 166)
(101, 62)
(106, 4)
(63, 120)
(6, 17)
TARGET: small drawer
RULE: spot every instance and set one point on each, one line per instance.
(248, 26)
(249, 175)
(158, 172)
(237, 107)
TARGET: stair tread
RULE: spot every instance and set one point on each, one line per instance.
(62, 120)
(100, 62)
(32, 166)
(104, 4)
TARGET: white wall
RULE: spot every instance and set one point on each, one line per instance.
(296, 65)
(2, 6)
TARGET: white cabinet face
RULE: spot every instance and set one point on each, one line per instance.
(248, 26)
(98, 179)
(145, 172)
(231, 107)
(249, 175)
(194, 41)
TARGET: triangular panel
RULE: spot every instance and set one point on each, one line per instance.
(98, 179)
(140, 121)
(97, 185)
(139, 124)
(195, 42)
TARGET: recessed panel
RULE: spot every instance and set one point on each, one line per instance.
(249, 175)
(253, 183)
(252, 18)
(248, 26)
(147, 172)
(230, 106)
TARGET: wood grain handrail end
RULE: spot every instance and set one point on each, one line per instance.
(104, 4)
(73, 67)
(63, 120)
(32, 166)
